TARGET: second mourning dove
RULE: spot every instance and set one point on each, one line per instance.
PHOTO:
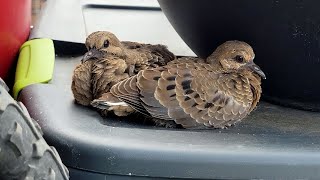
(195, 93)
(109, 61)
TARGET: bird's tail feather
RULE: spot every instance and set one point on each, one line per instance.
(105, 105)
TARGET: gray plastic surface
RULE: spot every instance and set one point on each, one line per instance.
(274, 142)
(87, 175)
(130, 20)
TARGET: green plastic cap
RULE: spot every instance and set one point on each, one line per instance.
(35, 64)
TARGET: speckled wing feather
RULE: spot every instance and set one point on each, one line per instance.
(145, 56)
(160, 51)
(187, 60)
(107, 72)
(81, 83)
(132, 45)
(188, 92)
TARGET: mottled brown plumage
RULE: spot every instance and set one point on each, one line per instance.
(81, 83)
(112, 61)
(216, 92)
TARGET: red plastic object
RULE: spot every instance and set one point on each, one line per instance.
(15, 19)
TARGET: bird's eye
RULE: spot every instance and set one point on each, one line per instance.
(106, 44)
(239, 58)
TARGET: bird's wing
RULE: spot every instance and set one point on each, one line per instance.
(107, 72)
(162, 52)
(133, 45)
(187, 60)
(128, 92)
(157, 49)
(81, 83)
(190, 94)
(148, 54)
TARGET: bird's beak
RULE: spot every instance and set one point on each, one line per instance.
(92, 54)
(255, 68)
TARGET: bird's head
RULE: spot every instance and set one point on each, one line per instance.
(235, 55)
(101, 44)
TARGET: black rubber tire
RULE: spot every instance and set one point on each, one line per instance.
(24, 154)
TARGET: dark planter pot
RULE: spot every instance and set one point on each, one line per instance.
(285, 35)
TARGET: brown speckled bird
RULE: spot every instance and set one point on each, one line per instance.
(109, 61)
(195, 93)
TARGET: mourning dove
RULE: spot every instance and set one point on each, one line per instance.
(109, 61)
(192, 92)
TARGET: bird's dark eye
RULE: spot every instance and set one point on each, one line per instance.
(239, 58)
(106, 44)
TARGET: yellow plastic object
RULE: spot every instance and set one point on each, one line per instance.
(35, 64)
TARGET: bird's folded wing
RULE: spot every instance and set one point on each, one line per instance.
(106, 72)
(157, 49)
(187, 60)
(190, 94)
(127, 92)
(81, 83)
(149, 54)
(132, 45)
